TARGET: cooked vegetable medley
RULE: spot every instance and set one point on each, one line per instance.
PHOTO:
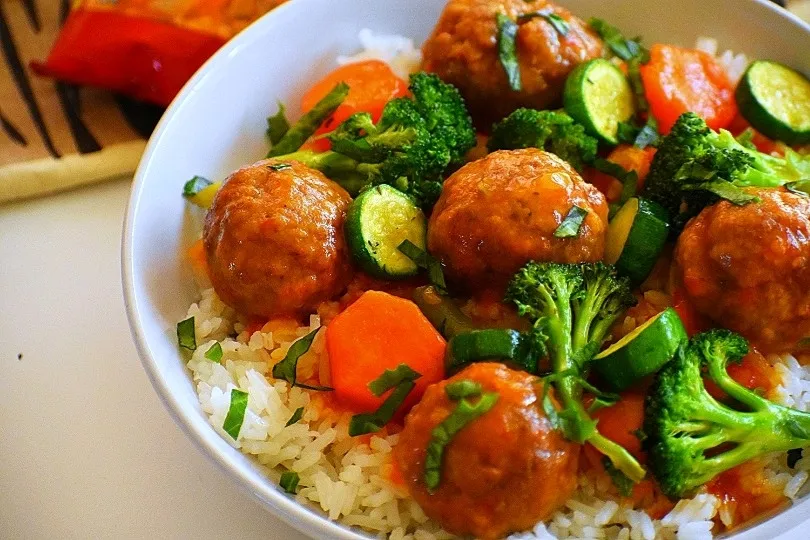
(549, 266)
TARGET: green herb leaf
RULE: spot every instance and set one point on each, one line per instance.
(236, 413)
(214, 352)
(801, 187)
(464, 413)
(620, 480)
(289, 481)
(507, 50)
(296, 416)
(391, 378)
(627, 132)
(426, 261)
(286, 369)
(462, 389)
(186, 336)
(725, 190)
(279, 166)
(310, 122)
(195, 185)
(360, 424)
(571, 223)
(613, 38)
(277, 125)
(560, 25)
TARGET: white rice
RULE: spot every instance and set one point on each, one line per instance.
(349, 480)
(733, 63)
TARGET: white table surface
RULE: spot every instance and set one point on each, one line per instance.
(86, 448)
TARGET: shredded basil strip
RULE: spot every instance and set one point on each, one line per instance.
(186, 336)
(391, 378)
(360, 424)
(289, 481)
(560, 25)
(296, 416)
(236, 413)
(195, 185)
(426, 261)
(725, 190)
(629, 179)
(507, 50)
(461, 389)
(310, 122)
(279, 166)
(286, 369)
(277, 125)
(464, 413)
(621, 47)
(571, 223)
(620, 480)
(214, 352)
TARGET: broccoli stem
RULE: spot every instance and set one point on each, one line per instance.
(619, 456)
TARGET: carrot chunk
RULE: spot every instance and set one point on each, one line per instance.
(378, 332)
(677, 80)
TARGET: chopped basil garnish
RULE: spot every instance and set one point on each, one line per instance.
(279, 166)
(289, 481)
(629, 179)
(613, 38)
(391, 378)
(310, 122)
(461, 389)
(571, 223)
(236, 413)
(426, 261)
(214, 352)
(195, 185)
(296, 416)
(507, 50)
(725, 190)
(620, 480)
(464, 413)
(186, 337)
(360, 424)
(559, 24)
(286, 369)
(277, 125)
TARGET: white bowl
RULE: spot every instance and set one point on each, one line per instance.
(217, 124)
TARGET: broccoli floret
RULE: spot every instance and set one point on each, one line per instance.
(691, 437)
(572, 307)
(410, 147)
(553, 131)
(695, 167)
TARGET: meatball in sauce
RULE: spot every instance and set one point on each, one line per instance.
(748, 267)
(498, 213)
(504, 471)
(463, 51)
(274, 239)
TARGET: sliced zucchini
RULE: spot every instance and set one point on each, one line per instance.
(505, 345)
(635, 238)
(642, 352)
(201, 191)
(598, 96)
(775, 100)
(377, 222)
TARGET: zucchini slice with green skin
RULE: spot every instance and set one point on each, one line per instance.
(496, 344)
(377, 222)
(642, 352)
(201, 191)
(775, 100)
(636, 237)
(598, 96)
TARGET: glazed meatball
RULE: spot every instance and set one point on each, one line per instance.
(274, 239)
(499, 212)
(748, 267)
(463, 51)
(504, 471)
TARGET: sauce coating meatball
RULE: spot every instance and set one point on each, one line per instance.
(748, 267)
(504, 471)
(463, 51)
(499, 212)
(274, 239)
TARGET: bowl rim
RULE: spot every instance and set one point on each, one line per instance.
(299, 516)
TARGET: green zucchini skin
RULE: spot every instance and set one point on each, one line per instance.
(645, 241)
(491, 344)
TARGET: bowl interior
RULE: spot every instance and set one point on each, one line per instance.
(218, 124)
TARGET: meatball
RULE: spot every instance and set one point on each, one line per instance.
(463, 51)
(499, 212)
(748, 267)
(504, 471)
(274, 239)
